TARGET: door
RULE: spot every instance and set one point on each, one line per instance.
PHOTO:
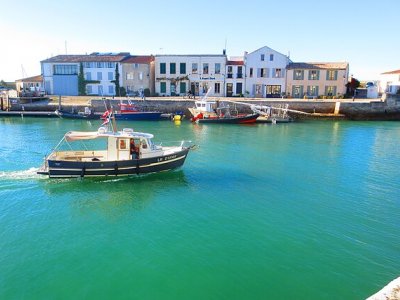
(273, 91)
(194, 87)
(229, 89)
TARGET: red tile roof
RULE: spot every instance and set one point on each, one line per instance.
(140, 59)
(37, 78)
(318, 65)
(235, 62)
(391, 72)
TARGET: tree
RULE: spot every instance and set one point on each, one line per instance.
(351, 86)
(81, 81)
(116, 81)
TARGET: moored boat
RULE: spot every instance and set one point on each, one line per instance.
(113, 153)
(87, 114)
(131, 112)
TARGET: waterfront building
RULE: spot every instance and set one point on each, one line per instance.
(235, 77)
(265, 73)
(30, 86)
(313, 80)
(390, 82)
(60, 73)
(177, 74)
(138, 74)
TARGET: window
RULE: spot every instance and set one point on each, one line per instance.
(65, 70)
(239, 89)
(205, 68)
(110, 76)
(271, 57)
(251, 73)
(140, 75)
(163, 87)
(135, 66)
(278, 73)
(205, 87)
(110, 65)
(163, 68)
(217, 88)
(298, 74)
(194, 68)
(313, 75)
(100, 64)
(297, 91)
(172, 68)
(182, 87)
(88, 76)
(263, 73)
(182, 68)
(217, 68)
(273, 90)
(230, 70)
(262, 57)
(129, 76)
(111, 89)
(172, 89)
(86, 64)
(89, 89)
(100, 90)
(240, 72)
(331, 75)
(99, 76)
(312, 90)
(330, 90)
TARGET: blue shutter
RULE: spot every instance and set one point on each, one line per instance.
(301, 91)
(294, 75)
(336, 73)
(327, 76)
(308, 90)
(334, 90)
(317, 74)
(273, 73)
(316, 90)
(302, 74)
(266, 72)
(283, 73)
(258, 72)
(309, 78)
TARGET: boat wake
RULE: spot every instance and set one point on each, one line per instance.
(20, 175)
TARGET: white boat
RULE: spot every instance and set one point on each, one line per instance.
(112, 154)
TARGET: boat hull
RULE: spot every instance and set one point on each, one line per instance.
(69, 115)
(65, 169)
(232, 120)
(139, 116)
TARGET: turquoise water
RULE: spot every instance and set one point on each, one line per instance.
(307, 210)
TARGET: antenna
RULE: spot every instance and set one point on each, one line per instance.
(66, 47)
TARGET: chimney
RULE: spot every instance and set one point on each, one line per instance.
(223, 51)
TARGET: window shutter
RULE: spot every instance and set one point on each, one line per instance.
(258, 72)
(266, 72)
(334, 90)
(316, 89)
(308, 89)
(283, 73)
(302, 74)
(309, 78)
(336, 73)
(273, 75)
(327, 76)
(301, 90)
(326, 90)
(317, 74)
(294, 75)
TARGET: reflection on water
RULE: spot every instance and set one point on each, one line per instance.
(114, 197)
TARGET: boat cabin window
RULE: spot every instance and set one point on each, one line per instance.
(123, 144)
(143, 143)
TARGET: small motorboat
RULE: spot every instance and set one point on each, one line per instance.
(111, 153)
(129, 111)
(87, 114)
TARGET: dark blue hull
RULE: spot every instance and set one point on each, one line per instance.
(139, 116)
(115, 168)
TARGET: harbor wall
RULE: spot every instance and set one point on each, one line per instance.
(387, 108)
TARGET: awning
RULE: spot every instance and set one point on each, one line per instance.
(81, 135)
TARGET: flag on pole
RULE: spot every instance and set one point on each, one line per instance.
(106, 117)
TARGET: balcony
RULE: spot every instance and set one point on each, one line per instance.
(229, 75)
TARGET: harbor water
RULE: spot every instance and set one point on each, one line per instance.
(305, 210)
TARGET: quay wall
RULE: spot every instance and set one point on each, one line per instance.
(387, 108)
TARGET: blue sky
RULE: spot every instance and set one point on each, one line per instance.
(363, 33)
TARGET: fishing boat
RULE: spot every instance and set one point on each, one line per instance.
(206, 111)
(111, 153)
(129, 111)
(87, 114)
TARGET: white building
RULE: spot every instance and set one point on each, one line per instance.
(60, 73)
(235, 78)
(390, 82)
(265, 73)
(177, 74)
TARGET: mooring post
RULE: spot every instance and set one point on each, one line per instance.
(59, 102)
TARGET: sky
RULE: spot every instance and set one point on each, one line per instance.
(363, 33)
